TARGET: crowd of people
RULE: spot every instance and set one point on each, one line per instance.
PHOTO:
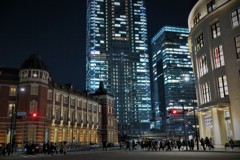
(166, 144)
(207, 143)
(5, 149)
(46, 148)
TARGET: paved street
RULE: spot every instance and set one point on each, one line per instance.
(132, 155)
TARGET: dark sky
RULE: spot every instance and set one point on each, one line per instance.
(55, 29)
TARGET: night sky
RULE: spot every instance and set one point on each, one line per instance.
(56, 29)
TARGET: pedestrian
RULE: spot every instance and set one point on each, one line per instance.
(8, 149)
(51, 148)
(64, 147)
(44, 147)
(179, 144)
(48, 147)
(128, 145)
(211, 146)
(104, 145)
(168, 144)
(61, 148)
(231, 143)
(3, 150)
(161, 146)
(191, 145)
(202, 143)
(207, 142)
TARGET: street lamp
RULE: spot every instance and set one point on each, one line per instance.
(186, 79)
(14, 118)
(184, 123)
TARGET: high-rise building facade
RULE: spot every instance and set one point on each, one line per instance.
(214, 43)
(173, 80)
(117, 54)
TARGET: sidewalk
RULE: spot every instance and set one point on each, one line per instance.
(228, 150)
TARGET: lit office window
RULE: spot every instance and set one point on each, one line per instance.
(200, 42)
(236, 17)
(203, 68)
(237, 42)
(211, 6)
(218, 57)
(215, 28)
(222, 86)
(206, 93)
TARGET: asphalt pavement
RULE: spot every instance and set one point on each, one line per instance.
(117, 154)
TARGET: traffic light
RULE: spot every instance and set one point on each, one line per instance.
(173, 111)
(34, 115)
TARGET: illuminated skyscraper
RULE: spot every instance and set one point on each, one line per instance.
(173, 79)
(117, 54)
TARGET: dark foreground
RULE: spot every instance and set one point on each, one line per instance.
(132, 155)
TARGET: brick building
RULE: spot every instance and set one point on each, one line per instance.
(35, 108)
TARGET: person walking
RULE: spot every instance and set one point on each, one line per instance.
(202, 143)
(128, 145)
(231, 143)
(179, 144)
(64, 147)
(191, 145)
(211, 146)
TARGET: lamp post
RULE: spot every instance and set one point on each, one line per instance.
(186, 79)
(195, 126)
(11, 128)
(14, 118)
(184, 123)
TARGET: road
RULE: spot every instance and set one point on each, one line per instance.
(132, 155)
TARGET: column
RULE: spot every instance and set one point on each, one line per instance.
(216, 128)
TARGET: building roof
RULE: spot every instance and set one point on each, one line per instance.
(34, 62)
(101, 89)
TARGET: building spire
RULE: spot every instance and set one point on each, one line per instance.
(101, 89)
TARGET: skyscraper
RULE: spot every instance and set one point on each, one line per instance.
(173, 79)
(117, 54)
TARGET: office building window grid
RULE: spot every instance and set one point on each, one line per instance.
(237, 42)
(236, 17)
(223, 86)
(218, 57)
(215, 28)
(203, 68)
(200, 42)
(206, 93)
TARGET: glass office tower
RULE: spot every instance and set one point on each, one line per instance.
(117, 54)
(173, 80)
